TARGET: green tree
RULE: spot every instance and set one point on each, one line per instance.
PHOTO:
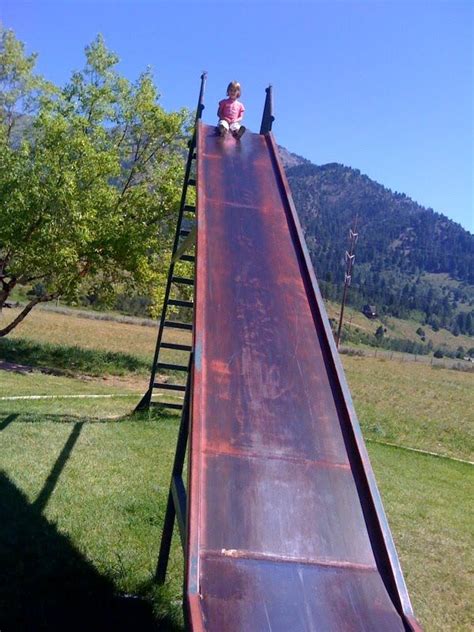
(379, 334)
(89, 184)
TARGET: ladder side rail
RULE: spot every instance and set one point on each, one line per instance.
(200, 106)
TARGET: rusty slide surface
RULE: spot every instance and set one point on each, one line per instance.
(286, 529)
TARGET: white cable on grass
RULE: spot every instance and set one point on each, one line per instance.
(436, 454)
(106, 396)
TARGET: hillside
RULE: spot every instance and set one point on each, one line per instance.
(410, 261)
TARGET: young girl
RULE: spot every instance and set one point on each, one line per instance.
(231, 112)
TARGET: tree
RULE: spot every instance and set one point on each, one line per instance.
(89, 184)
(379, 334)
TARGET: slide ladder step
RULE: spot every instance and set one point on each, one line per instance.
(174, 324)
(176, 346)
(170, 387)
(183, 280)
(171, 367)
(166, 405)
(180, 303)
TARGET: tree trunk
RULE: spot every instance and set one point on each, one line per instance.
(42, 299)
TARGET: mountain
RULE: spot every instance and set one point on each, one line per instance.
(409, 259)
(291, 160)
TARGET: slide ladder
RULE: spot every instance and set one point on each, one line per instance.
(184, 239)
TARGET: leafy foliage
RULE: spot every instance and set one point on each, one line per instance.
(88, 189)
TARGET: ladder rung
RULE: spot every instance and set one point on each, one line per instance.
(189, 208)
(192, 182)
(177, 279)
(174, 324)
(174, 345)
(179, 303)
(166, 405)
(171, 367)
(169, 387)
(191, 258)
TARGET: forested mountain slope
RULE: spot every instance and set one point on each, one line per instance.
(407, 257)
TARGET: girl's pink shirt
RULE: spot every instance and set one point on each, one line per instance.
(231, 110)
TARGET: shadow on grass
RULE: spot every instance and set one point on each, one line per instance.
(71, 418)
(70, 360)
(53, 477)
(47, 584)
(7, 421)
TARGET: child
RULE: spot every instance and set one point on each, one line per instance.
(231, 112)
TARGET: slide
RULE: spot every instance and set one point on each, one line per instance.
(287, 532)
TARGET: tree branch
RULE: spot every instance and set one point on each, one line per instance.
(123, 136)
(7, 287)
(39, 299)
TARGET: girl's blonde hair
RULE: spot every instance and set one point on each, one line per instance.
(234, 85)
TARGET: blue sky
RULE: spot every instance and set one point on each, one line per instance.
(382, 86)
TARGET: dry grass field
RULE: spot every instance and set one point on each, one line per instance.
(65, 329)
(414, 405)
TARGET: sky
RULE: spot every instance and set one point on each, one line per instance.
(382, 86)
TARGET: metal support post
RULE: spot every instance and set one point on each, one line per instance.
(267, 117)
(350, 258)
(176, 507)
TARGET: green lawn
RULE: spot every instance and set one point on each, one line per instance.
(83, 502)
(35, 383)
(84, 488)
(83, 505)
(414, 405)
(429, 505)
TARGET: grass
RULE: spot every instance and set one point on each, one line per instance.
(71, 359)
(72, 330)
(18, 383)
(430, 511)
(81, 521)
(79, 345)
(87, 397)
(414, 405)
(84, 485)
(86, 330)
(85, 514)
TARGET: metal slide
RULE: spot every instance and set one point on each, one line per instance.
(286, 528)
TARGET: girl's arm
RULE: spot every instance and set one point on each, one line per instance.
(242, 110)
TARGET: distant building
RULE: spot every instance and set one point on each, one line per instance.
(370, 311)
